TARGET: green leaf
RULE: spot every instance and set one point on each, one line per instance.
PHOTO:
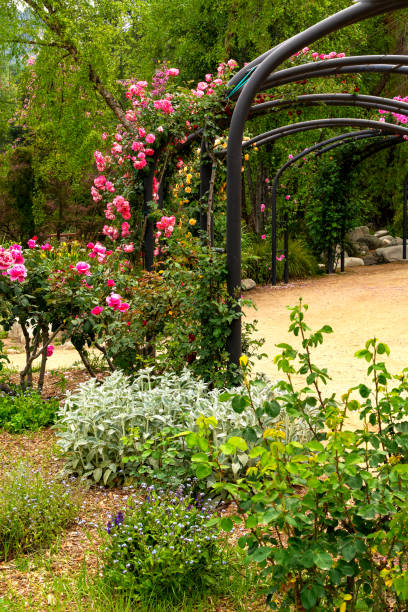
(349, 550)
(203, 471)
(256, 451)
(226, 524)
(240, 403)
(383, 348)
(308, 598)
(261, 554)
(97, 474)
(364, 390)
(199, 458)
(323, 560)
(237, 442)
(314, 445)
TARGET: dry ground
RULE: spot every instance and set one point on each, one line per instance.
(362, 303)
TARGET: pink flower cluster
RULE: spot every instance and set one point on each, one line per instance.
(98, 251)
(100, 161)
(166, 224)
(115, 301)
(12, 263)
(320, 56)
(119, 205)
(208, 86)
(400, 118)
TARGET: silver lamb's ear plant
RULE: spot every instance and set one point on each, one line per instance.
(93, 421)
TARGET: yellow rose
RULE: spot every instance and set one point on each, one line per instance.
(243, 360)
(192, 221)
(188, 189)
(246, 157)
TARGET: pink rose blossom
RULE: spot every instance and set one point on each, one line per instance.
(287, 197)
(263, 207)
(83, 268)
(114, 301)
(123, 307)
(17, 273)
(263, 236)
(6, 259)
(50, 350)
(110, 282)
(31, 243)
(172, 72)
(150, 138)
(97, 310)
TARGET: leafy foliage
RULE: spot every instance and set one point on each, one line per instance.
(98, 426)
(26, 411)
(338, 500)
(33, 509)
(161, 547)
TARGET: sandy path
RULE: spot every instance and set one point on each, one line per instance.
(358, 305)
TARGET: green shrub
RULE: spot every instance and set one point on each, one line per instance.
(95, 425)
(327, 520)
(33, 510)
(256, 261)
(162, 548)
(26, 411)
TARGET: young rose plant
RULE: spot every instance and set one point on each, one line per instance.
(326, 521)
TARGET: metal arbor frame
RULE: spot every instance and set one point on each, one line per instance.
(320, 149)
(253, 78)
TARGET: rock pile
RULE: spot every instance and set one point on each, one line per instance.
(370, 249)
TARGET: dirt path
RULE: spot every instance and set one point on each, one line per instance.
(358, 305)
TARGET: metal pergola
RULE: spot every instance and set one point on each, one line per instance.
(261, 75)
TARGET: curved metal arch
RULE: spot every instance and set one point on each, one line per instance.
(357, 12)
(370, 8)
(303, 126)
(332, 66)
(332, 142)
(332, 99)
(390, 141)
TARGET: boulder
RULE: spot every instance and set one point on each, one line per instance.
(390, 241)
(359, 249)
(247, 284)
(391, 253)
(380, 233)
(357, 233)
(350, 262)
(372, 260)
(371, 241)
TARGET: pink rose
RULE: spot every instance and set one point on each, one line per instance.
(172, 72)
(263, 207)
(50, 350)
(31, 243)
(287, 197)
(17, 273)
(263, 237)
(110, 282)
(97, 310)
(83, 268)
(123, 307)
(150, 138)
(114, 300)
(6, 259)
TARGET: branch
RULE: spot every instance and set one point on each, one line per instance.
(36, 354)
(39, 43)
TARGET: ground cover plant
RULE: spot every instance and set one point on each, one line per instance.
(162, 549)
(34, 509)
(26, 410)
(131, 428)
(326, 519)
